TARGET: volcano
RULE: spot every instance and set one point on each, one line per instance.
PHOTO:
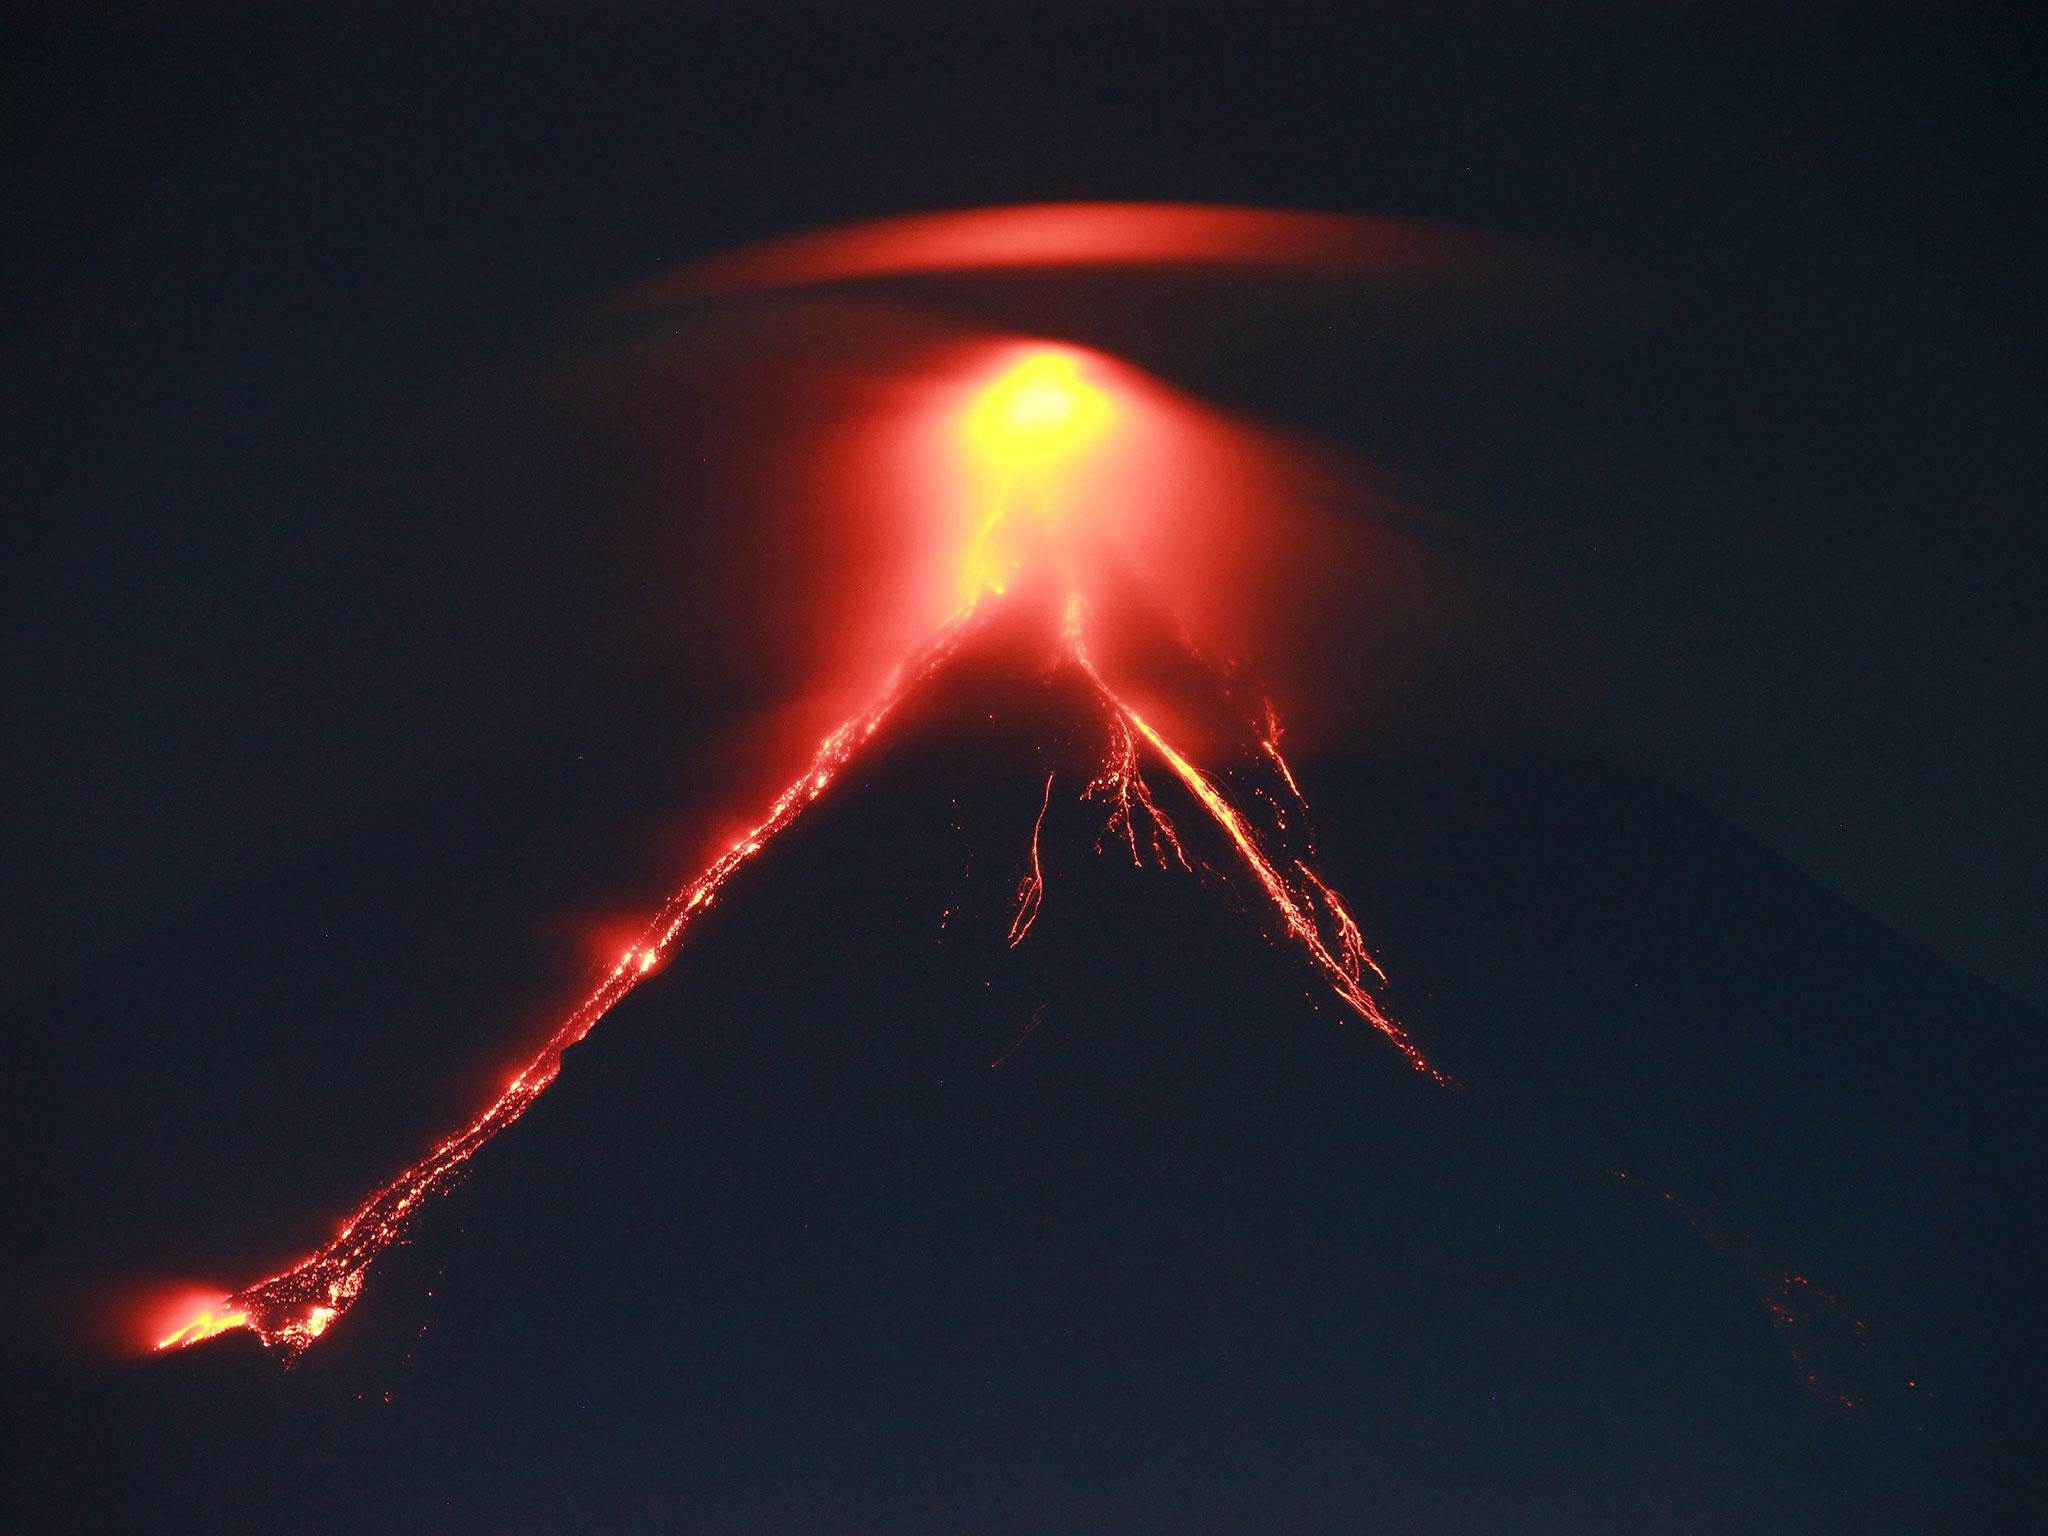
(994, 1158)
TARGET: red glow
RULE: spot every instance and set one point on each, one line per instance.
(1007, 455)
(824, 468)
(883, 473)
(1075, 235)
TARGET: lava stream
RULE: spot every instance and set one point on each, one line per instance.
(1031, 894)
(290, 1310)
(1297, 911)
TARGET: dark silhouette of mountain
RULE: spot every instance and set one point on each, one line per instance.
(854, 1218)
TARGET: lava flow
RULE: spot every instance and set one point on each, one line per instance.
(1026, 432)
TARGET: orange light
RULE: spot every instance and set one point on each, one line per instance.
(209, 1320)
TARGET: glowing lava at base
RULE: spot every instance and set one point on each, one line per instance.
(1025, 430)
(212, 1317)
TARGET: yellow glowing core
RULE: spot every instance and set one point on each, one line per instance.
(1040, 408)
(1022, 431)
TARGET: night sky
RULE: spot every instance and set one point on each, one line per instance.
(374, 668)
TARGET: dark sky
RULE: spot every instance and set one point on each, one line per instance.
(279, 576)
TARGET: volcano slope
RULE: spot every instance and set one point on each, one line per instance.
(854, 1217)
